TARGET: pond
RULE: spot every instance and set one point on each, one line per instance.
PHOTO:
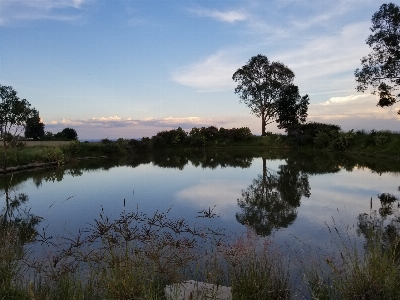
(302, 201)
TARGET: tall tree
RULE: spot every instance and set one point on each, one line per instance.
(34, 126)
(291, 108)
(260, 83)
(381, 68)
(14, 113)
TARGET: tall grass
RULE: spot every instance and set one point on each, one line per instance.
(369, 273)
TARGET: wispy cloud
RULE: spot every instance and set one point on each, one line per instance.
(211, 74)
(229, 16)
(14, 11)
(352, 107)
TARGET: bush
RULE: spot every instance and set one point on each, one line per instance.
(74, 147)
(322, 139)
(344, 141)
(171, 137)
(304, 134)
(381, 138)
(52, 154)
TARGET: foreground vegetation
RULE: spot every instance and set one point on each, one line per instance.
(137, 255)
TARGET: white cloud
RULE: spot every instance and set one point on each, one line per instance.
(353, 107)
(229, 16)
(212, 74)
(354, 99)
(12, 11)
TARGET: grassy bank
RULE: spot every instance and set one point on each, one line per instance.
(136, 256)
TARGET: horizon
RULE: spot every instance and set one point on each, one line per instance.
(119, 69)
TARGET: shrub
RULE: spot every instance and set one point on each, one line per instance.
(52, 154)
(170, 137)
(304, 134)
(74, 147)
(344, 141)
(322, 139)
(381, 138)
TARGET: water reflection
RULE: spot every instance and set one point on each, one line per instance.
(14, 216)
(268, 201)
(382, 224)
(203, 159)
(271, 200)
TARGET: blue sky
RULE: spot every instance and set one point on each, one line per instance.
(132, 68)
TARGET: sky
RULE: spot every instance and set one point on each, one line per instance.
(132, 68)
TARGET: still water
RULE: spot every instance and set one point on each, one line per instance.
(292, 198)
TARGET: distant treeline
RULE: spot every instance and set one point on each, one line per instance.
(196, 138)
(312, 135)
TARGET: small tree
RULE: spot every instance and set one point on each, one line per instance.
(14, 113)
(260, 83)
(34, 126)
(381, 68)
(291, 108)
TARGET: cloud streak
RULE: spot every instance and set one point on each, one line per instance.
(209, 75)
(352, 107)
(118, 122)
(14, 11)
(229, 16)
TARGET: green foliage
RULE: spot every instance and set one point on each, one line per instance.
(291, 108)
(380, 69)
(343, 142)
(381, 138)
(52, 154)
(171, 138)
(305, 134)
(200, 137)
(113, 149)
(260, 82)
(74, 147)
(34, 126)
(322, 139)
(69, 134)
(14, 113)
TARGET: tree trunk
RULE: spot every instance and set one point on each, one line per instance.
(263, 133)
(4, 155)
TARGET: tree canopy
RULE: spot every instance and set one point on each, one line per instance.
(291, 108)
(260, 83)
(381, 68)
(14, 113)
(69, 133)
(34, 126)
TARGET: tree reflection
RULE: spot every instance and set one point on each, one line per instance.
(271, 200)
(14, 217)
(382, 226)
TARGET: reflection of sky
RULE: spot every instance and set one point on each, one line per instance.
(76, 201)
